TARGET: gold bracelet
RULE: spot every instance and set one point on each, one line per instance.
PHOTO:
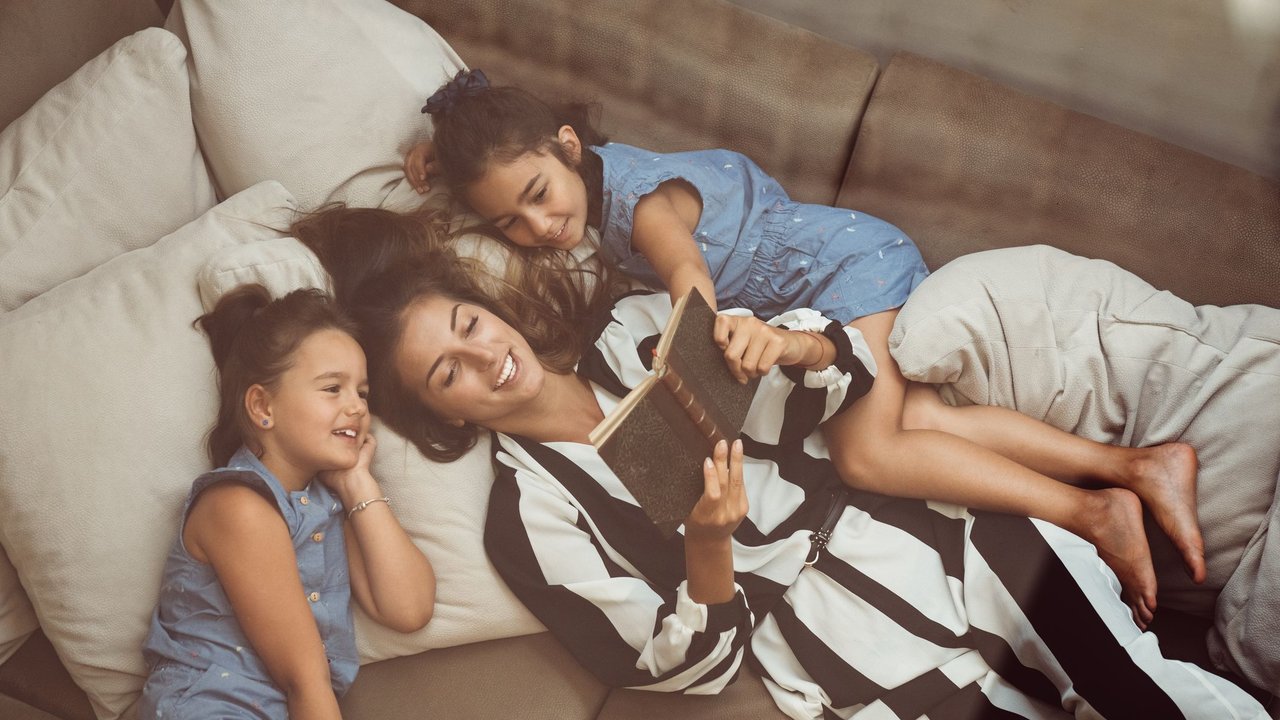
(366, 503)
(822, 351)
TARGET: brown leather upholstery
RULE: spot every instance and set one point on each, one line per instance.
(682, 76)
(42, 43)
(962, 163)
(35, 676)
(531, 677)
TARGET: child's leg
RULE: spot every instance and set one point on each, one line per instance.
(872, 451)
(1163, 476)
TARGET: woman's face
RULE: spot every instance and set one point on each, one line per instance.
(535, 200)
(466, 364)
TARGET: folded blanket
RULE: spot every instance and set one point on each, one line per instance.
(1092, 349)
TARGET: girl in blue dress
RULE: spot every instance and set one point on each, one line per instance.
(254, 616)
(713, 220)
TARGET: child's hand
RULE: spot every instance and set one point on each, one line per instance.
(752, 346)
(419, 164)
(724, 502)
(356, 481)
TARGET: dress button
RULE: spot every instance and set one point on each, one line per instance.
(318, 537)
(304, 499)
(314, 597)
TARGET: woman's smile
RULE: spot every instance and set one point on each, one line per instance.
(507, 372)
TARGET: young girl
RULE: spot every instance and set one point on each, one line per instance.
(254, 616)
(713, 220)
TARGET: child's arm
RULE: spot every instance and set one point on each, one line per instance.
(390, 577)
(243, 537)
(419, 164)
(662, 232)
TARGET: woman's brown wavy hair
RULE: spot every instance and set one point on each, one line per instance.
(546, 294)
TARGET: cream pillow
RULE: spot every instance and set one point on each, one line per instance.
(109, 391)
(441, 506)
(1093, 349)
(104, 163)
(322, 95)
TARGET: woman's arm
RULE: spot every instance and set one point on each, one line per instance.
(662, 231)
(573, 568)
(821, 369)
(708, 531)
(390, 577)
(242, 536)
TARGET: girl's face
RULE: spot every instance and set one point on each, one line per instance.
(318, 412)
(535, 200)
(465, 364)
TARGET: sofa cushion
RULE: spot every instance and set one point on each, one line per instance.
(322, 95)
(962, 164)
(109, 390)
(17, 618)
(104, 163)
(1094, 350)
(710, 75)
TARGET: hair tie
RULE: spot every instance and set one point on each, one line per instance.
(465, 83)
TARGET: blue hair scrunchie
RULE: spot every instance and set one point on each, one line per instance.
(466, 82)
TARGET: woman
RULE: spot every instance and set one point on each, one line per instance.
(910, 608)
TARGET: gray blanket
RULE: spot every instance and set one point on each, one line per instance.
(1092, 349)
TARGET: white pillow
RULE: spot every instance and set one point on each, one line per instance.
(442, 506)
(322, 95)
(104, 163)
(109, 391)
(1093, 349)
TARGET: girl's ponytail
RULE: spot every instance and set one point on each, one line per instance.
(233, 311)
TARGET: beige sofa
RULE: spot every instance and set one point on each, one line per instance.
(959, 162)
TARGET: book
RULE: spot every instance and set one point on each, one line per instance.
(657, 437)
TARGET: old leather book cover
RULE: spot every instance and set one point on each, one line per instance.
(658, 436)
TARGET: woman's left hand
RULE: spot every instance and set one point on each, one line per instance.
(752, 346)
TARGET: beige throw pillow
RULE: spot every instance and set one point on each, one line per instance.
(104, 163)
(109, 391)
(322, 95)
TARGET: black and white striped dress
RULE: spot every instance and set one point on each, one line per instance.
(914, 608)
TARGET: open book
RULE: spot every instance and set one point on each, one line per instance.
(658, 436)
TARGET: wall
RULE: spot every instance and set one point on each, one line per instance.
(1204, 74)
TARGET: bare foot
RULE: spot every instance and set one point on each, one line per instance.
(1164, 476)
(1114, 526)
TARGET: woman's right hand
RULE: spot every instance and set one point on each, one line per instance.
(419, 164)
(724, 502)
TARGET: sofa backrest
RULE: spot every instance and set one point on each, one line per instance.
(962, 164)
(710, 75)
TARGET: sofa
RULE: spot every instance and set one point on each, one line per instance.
(960, 162)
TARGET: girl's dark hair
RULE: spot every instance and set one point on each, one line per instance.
(545, 293)
(253, 339)
(503, 123)
(379, 309)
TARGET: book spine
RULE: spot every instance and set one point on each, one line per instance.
(697, 413)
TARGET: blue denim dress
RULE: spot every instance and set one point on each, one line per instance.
(202, 665)
(766, 252)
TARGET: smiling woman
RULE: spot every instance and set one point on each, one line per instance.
(910, 605)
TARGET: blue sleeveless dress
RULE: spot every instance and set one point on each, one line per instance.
(202, 665)
(766, 252)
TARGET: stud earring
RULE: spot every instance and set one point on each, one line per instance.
(266, 422)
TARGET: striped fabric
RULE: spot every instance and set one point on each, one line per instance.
(913, 609)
